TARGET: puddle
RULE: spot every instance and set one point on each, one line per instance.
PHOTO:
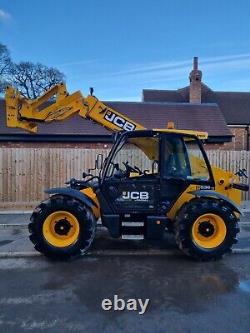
(4, 242)
(172, 284)
(245, 286)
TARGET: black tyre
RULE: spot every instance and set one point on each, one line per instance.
(206, 228)
(62, 227)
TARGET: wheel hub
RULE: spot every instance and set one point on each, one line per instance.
(62, 227)
(206, 229)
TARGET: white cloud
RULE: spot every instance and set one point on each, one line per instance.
(176, 67)
(4, 15)
(176, 73)
(220, 73)
(77, 63)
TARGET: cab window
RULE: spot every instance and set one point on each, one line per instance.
(139, 153)
(184, 159)
(198, 165)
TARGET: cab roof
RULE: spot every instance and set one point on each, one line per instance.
(200, 135)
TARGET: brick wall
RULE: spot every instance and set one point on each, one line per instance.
(74, 145)
(87, 145)
(214, 146)
(239, 141)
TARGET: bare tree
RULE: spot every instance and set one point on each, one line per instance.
(32, 80)
(5, 65)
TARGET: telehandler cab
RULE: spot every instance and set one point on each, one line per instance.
(152, 181)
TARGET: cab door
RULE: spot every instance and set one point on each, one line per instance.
(183, 163)
(132, 180)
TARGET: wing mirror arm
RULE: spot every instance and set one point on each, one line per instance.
(99, 162)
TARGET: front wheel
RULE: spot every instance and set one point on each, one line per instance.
(206, 228)
(62, 227)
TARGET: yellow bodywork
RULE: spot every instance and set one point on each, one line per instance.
(24, 113)
(223, 179)
(199, 134)
(223, 185)
(91, 194)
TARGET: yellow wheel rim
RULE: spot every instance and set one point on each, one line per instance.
(61, 229)
(209, 231)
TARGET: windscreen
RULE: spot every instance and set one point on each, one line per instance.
(139, 152)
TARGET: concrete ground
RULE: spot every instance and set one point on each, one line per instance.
(39, 295)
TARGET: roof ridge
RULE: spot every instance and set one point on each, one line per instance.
(232, 92)
(164, 103)
(162, 90)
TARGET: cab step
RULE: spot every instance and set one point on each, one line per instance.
(133, 237)
(132, 224)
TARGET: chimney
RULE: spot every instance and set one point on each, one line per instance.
(195, 83)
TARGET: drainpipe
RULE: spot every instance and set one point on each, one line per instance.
(248, 137)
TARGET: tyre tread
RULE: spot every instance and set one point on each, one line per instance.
(56, 202)
(188, 213)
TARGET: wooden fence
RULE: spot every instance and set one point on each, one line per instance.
(26, 172)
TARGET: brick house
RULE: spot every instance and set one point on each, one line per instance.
(234, 106)
(221, 114)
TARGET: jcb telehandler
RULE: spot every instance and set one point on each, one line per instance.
(153, 181)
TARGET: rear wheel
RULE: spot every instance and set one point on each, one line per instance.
(62, 227)
(206, 228)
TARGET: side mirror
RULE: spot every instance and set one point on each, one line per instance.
(116, 136)
(99, 162)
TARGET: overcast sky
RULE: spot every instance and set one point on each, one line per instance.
(120, 47)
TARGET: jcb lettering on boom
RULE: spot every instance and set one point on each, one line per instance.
(119, 121)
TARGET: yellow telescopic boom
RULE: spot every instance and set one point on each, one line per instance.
(24, 113)
(58, 104)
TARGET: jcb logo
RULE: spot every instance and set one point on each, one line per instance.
(141, 196)
(119, 121)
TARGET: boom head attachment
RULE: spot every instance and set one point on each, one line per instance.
(24, 113)
(14, 102)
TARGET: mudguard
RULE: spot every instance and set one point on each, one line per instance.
(73, 194)
(213, 194)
